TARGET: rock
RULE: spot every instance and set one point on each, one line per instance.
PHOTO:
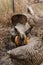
(41, 64)
(36, 9)
(37, 31)
(31, 54)
(41, 1)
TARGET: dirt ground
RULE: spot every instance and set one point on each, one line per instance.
(4, 35)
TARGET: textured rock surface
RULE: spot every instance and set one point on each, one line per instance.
(31, 54)
(37, 9)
